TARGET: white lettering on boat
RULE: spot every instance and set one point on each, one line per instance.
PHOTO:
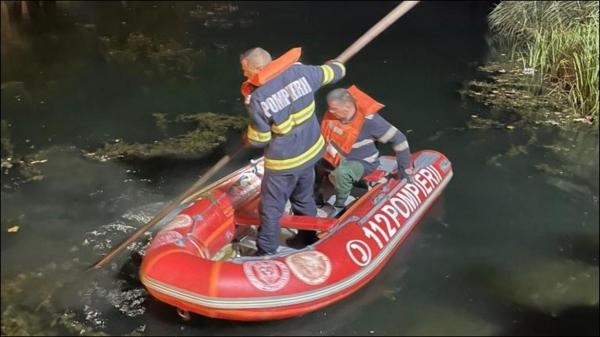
(391, 216)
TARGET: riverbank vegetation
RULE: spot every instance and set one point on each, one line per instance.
(548, 56)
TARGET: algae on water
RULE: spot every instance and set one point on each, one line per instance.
(7, 147)
(162, 123)
(156, 57)
(210, 132)
(27, 166)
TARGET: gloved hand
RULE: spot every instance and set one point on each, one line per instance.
(245, 140)
(407, 174)
(332, 61)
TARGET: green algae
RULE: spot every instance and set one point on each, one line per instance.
(153, 56)
(210, 132)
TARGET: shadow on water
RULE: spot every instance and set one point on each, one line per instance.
(581, 247)
(573, 321)
(531, 307)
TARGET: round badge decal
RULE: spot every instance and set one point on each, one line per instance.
(270, 275)
(310, 267)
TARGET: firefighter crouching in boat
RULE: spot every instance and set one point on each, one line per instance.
(351, 126)
(279, 96)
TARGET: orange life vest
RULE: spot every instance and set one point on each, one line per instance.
(276, 67)
(340, 137)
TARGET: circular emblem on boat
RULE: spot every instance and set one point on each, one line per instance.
(267, 275)
(359, 252)
(310, 267)
(164, 238)
(181, 220)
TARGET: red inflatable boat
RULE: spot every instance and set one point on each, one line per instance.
(200, 261)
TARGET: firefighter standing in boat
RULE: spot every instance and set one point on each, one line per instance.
(351, 126)
(279, 96)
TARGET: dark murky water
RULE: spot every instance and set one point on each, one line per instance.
(511, 248)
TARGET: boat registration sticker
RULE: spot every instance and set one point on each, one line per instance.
(267, 275)
(310, 267)
(180, 221)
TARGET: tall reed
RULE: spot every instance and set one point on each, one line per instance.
(558, 41)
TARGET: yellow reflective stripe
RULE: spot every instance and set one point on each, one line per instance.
(304, 114)
(389, 134)
(257, 136)
(328, 74)
(342, 66)
(401, 147)
(284, 127)
(286, 164)
(294, 119)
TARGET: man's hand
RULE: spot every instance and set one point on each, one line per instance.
(332, 61)
(245, 140)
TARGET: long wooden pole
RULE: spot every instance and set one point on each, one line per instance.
(372, 33)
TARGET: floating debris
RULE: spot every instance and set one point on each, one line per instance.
(528, 71)
(506, 91)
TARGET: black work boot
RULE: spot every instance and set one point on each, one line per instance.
(338, 206)
(302, 239)
(340, 203)
(260, 252)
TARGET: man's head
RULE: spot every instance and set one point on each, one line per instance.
(341, 104)
(254, 60)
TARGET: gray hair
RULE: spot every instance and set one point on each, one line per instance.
(257, 57)
(340, 95)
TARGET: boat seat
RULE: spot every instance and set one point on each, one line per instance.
(248, 216)
(245, 218)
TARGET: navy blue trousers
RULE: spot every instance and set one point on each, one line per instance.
(276, 190)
